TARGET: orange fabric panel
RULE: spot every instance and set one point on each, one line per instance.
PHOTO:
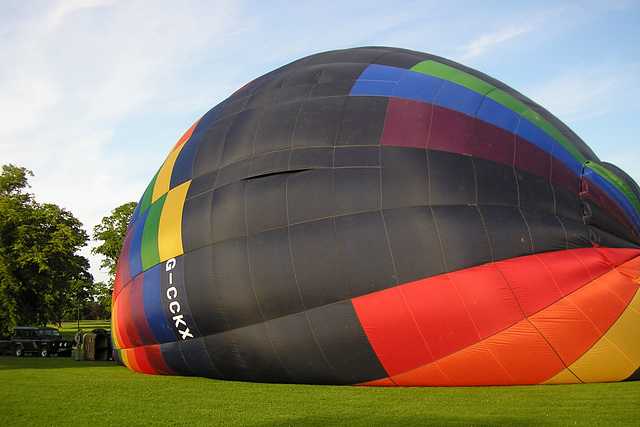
(524, 354)
(385, 382)
(567, 329)
(428, 375)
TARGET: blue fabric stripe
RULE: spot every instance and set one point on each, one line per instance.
(183, 166)
(135, 250)
(616, 195)
(153, 310)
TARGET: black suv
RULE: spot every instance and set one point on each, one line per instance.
(42, 341)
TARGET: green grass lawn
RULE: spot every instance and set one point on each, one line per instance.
(61, 391)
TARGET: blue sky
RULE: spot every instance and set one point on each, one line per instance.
(94, 93)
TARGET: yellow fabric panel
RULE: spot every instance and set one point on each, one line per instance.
(164, 175)
(115, 331)
(564, 377)
(625, 333)
(604, 362)
(170, 228)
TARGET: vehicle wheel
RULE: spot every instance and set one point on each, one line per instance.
(18, 351)
(44, 351)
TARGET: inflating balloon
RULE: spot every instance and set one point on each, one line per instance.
(383, 217)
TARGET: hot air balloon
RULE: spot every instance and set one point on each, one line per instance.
(379, 216)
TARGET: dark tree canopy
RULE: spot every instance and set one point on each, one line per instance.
(40, 270)
(111, 232)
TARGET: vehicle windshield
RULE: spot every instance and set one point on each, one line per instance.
(49, 333)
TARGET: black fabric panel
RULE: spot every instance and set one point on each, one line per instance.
(208, 157)
(246, 354)
(298, 350)
(266, 202)
(535, 193)
(318, 122)
(358, 111)
(233, 172)
(269, 163)
(174, 299)
(311, 158)
(356, 190)
(174, 359)
(196, 357)
(547, 232)
(235, 104)
(365, 253)
(275, 131)
(405, 59)
(496, 183)
(344, 72)
(601, 225)
(316, 260)
(227, 212)
(331, 89)
(294, 93)
(310, 195)
(201, 292)
(356, 156)
(241, 135)
(236, 296)
(307, 75)
(272, 273)
(568, 205)
(577, 234)
(452, 179)
(415, 245)
(405, 177)
(344, 343)
(464, 239)
(202, 184)
(262, 98)
(508, 232)
(196, 222)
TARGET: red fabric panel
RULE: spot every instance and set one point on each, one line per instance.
(568, 269)
(440, 315)
(407, 123)
(137, 312)
(143, 362)
(531, 283)
(123, 276)
(385, 382)
(564, 177)
(156, 361)
(531, 158)
(493, 143)
(615, 256)
(451, 131)
(121, 307)
(483, 289)
(392, 331)
(127, 320)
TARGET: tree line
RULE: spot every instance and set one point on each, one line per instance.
(43, 278)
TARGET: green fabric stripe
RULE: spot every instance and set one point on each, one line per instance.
(149, 248)
(619, 183)
(148, 194)
(454, 75)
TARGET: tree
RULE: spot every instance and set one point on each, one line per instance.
(40, 272)
(111, 232)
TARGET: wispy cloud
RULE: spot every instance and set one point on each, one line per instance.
(490, 41)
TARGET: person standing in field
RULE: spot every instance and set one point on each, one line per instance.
(78, 340)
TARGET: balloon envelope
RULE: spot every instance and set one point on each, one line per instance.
(384, 217)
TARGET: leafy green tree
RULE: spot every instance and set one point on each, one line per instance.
(111, 232)
(40, 272)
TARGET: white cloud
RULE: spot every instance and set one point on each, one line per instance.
(490, 41)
